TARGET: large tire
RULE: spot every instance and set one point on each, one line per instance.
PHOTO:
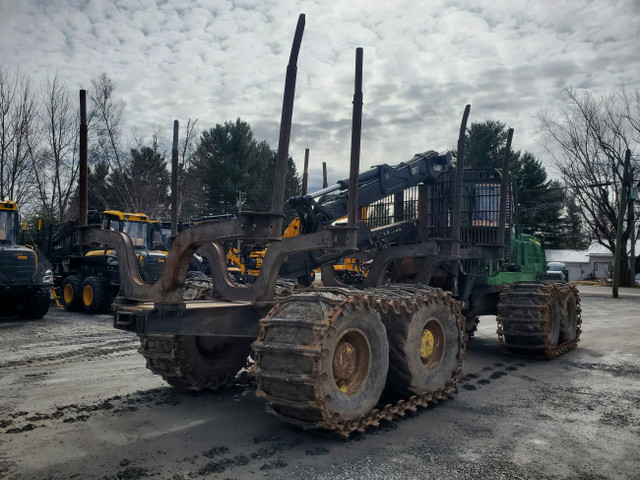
(195, 363)
(37, 305)
(539, 319)
(354, 370)
(424, 348)
(568, 305)
(71, 292)
(321, 360)
(95, 296)
(530, 316)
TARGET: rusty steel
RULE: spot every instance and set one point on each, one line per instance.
(82, 181)
(305, 172)
(505, 181)
(325, 183)
(174, 180)
(314, 413)
(285, 122)
(457, 192)
(525, 312)
(356, 132)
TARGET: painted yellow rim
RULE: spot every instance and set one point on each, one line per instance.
(351, 361)
(68, 293)
(432, 344)
(87, 295)
(426, 344)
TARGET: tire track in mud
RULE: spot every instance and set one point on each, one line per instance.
(87, 351)
(473, 381)
(23, 421)
(560, 400)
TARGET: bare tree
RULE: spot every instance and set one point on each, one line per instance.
(17, 129)
(106, 120)
(588, 140)
(186, 149)
(55, 164)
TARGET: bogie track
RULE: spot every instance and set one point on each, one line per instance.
(539, 319)
(322, 355)
(195, 363)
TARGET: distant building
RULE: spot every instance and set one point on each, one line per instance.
(594, 262)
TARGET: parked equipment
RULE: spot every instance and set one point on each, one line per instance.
(24, 283)
(344, 357)
(88, 279)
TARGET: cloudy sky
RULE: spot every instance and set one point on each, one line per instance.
(424, 60)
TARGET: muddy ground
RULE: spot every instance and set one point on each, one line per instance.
(77, 402)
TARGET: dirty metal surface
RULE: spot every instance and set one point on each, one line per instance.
(300, 338)
(525, 313)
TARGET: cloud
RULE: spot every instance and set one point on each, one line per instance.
(217, 60)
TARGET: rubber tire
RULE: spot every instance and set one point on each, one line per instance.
(37, 305)
(200, 362)
(349, 407)
(101, 302)
(75, 283)
(407, 373)
(568, 305)
(556, 316)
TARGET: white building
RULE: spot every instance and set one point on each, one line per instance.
(594, 262)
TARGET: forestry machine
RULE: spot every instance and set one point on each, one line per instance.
(88, 278)
(345, 357)
(24, 283)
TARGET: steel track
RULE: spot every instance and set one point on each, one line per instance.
(166, 357)
(289, 349)
(525, 315)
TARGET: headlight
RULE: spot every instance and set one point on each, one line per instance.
(48, 276)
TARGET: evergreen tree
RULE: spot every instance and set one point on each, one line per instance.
(231, 170)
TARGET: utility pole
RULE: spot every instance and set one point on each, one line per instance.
(623, 208)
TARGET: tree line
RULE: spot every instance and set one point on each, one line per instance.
(225, 168)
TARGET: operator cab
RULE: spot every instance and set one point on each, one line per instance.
(8, 222)
(136, 225)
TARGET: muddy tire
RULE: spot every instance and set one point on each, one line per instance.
(530, 316)
(95, 296)
(195, 363)
(322, 356)
(539, 319)
(424, 348)
(37, 305)
(319, 365)
(568, 305)
(356, 364)
(70, 293)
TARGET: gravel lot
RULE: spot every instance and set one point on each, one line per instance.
(77, 402)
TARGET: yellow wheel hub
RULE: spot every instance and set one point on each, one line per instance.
(351, 361)
(67, 293)
(426, 344)
(87, 295)
(432, 344)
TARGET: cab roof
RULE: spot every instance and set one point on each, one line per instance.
(8, 205)
(134, 217)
